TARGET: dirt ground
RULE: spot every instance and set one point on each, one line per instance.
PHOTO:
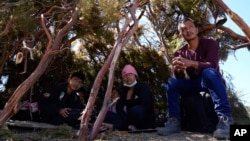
(183, 136)
(33, 132)
(120, 136)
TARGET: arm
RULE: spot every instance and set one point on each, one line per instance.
(49, 101)
(207, 57)
(47, 105)
(211, 55)
(146, 96)
(120, 105)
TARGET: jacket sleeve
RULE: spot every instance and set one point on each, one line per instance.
(146, 96)
(211, 50)
(120, 106)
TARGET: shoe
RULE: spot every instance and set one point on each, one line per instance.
(132, 128)
(221, 18)
(173, 125)
(223, 128)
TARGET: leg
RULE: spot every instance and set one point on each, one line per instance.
(116, 120)
(213, 81)
(136, 117)
(73, 118)
(175, 89)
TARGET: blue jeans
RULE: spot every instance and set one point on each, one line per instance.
(210, 80)
(116, 120)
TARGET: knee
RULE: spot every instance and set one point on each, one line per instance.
(75, 113)
(209, 73)
(172, 82)
(137, 111)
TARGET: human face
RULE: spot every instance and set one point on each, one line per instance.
(129, 78)
(75, 83)
(114, 94)
(188, 30)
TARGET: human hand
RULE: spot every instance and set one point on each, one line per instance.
(65, 112)
(179, 64)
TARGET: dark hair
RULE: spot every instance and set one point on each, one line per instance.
(78, 74)
(183, 21)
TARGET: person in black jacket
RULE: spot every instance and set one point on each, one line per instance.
(136, 104)
(61, 103)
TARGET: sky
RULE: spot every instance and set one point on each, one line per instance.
(237, 64)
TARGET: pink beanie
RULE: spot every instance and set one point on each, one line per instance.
(129, 69)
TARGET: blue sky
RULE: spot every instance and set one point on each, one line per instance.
(237, 64)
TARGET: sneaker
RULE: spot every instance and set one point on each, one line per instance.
(173, 125)
(223, 127)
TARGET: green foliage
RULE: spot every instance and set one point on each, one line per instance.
(23, 134)
(6, 134)
(239, 111)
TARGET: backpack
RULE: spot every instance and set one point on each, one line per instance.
(198, 114)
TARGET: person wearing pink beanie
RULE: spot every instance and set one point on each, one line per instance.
(129, 69)
(136, 104)
(129, 75)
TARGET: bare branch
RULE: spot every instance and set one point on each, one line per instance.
(235, 47)
(225, 29)
(46, 32)
(7, 27)
(123, 37)
(236, 18)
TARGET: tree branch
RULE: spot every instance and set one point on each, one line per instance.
(236, 18)
(123, 37)
(225, 29)
(7, 27)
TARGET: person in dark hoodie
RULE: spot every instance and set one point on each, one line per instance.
(61, 103)
(136, 104)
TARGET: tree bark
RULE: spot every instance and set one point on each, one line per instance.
(5, 54)
(127, 31)
(124, 39)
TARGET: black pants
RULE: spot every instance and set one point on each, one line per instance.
(72, 120)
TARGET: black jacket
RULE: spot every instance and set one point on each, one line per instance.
(57, 98)
(141, 96)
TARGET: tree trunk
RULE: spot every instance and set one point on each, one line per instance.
(124, 36)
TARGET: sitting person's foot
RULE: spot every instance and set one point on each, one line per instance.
(132, 128)
(223, 127)
(173, 125)
(108, 125)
